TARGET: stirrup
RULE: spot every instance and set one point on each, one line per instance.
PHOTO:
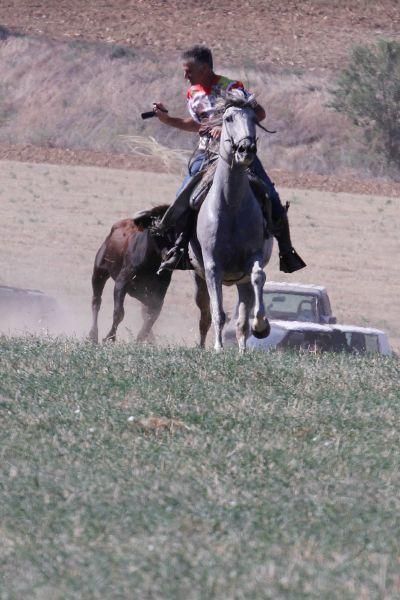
(290, 261)
(173, 258)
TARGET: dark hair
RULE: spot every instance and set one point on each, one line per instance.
(200, 54)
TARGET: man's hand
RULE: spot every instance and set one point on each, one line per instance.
(214, 132)
(184, 124)
(161, 112)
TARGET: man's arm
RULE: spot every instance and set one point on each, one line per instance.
(178, 123)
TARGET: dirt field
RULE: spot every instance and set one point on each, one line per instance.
(55, 217)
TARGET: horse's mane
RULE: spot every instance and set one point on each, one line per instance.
(238, 99)
(235, 98)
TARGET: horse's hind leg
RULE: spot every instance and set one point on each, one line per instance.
(260, 327)
(246, 301)
(203, 302)
(118, 315)
(99, 280)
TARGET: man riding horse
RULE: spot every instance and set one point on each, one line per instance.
(202, 99)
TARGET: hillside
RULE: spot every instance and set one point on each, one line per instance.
(77, 77)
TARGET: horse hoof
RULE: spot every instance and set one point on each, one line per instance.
(260, 335)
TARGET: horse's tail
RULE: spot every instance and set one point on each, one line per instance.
(147, 218)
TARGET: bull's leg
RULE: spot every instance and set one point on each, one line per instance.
(246, 301)
(152, 306)
(203, 302)
(119, 297)
(99, 279)
(214, 285)
(150, 314)
(260, 327)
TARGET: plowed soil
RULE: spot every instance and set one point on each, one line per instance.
(308, 34)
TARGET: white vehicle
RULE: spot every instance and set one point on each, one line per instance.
(301, 317)
(365, 339)
(311, 337)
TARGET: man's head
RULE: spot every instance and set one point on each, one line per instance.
(198, 65)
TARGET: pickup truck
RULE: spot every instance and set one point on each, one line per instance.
(295, 302)
(298, 302)
(301, 317)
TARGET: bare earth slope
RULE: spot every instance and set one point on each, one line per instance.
(286, 37)
(308, 34)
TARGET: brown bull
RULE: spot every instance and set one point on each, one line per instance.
(131, 255)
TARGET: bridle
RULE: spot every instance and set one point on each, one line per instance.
(236, 145)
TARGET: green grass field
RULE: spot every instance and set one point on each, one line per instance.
(278, 477)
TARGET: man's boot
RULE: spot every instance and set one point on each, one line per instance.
(176, 256)
(289, 260)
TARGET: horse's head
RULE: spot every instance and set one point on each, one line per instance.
(238, 138)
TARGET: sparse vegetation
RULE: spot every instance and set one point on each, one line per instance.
(121, 52)
(280, 478)
(91, 95)
(368, 91)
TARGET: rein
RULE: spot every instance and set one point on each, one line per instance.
(264, 128)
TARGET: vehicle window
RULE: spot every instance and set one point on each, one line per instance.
(293, 339)
(361, 342)
(371, 343)
(355, 341)
(339, 342)
(312, 341)
(291, 307)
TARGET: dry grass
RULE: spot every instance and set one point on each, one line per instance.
(145, 147)
(55, 217)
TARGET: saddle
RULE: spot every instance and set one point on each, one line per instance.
(193, 195)
(202, 187)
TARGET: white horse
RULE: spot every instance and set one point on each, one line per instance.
(229, 246)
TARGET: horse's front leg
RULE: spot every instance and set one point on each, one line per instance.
(246, 301)
(214, 285)
(260, 327)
